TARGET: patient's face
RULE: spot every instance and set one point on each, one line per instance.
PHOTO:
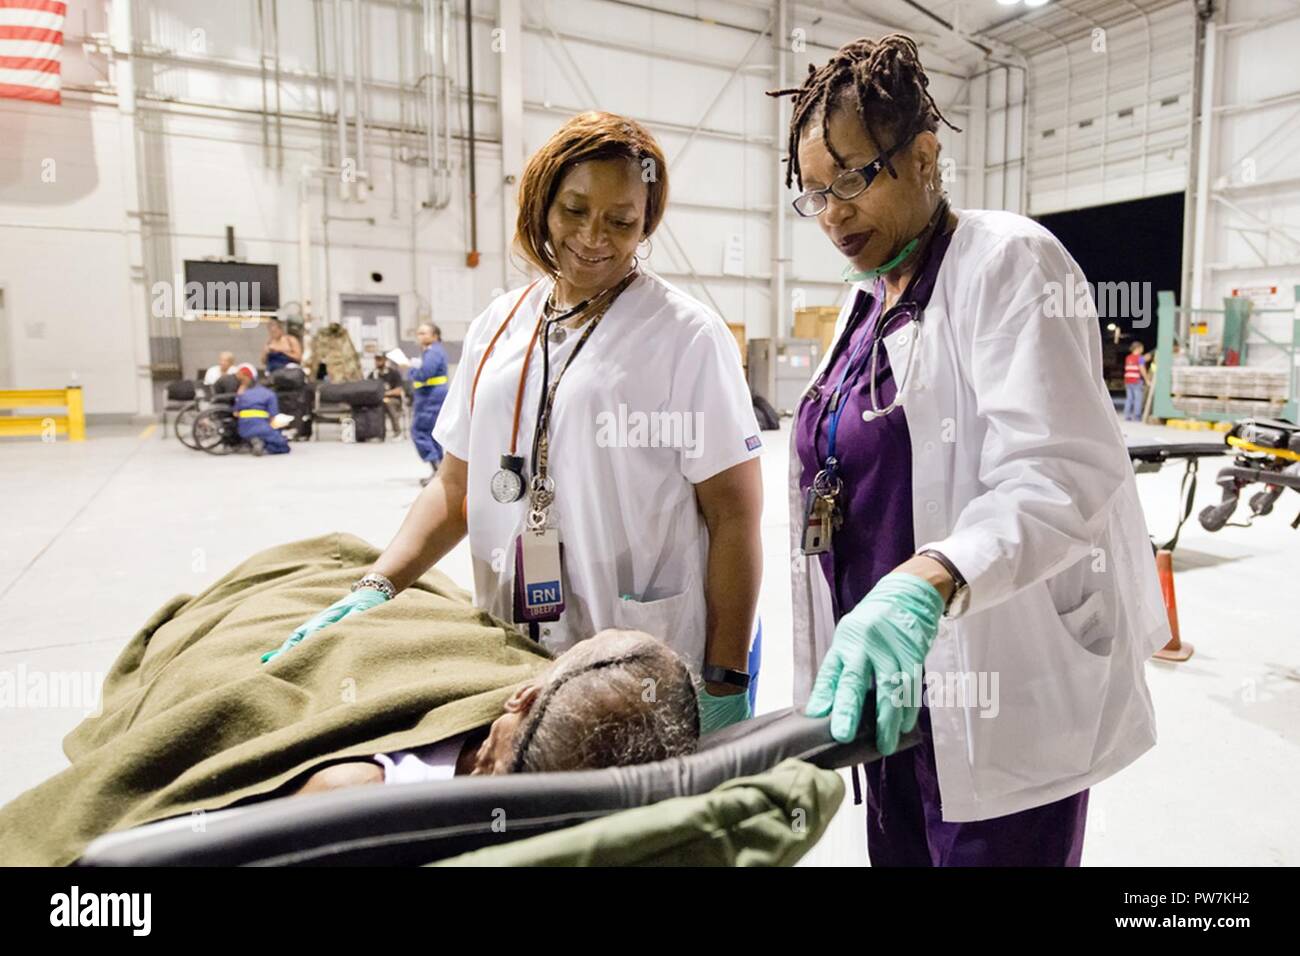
(612, 694)
(497, 751)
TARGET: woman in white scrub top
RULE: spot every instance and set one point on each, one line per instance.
(647, 515)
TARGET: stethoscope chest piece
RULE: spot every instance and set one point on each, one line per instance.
(508, 482)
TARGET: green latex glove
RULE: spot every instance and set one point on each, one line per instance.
(881, 642)
(354, 602)
(722, 711)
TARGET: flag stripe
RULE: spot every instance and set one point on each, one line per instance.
(31, 49)
(29, 63)
(21, 92)
(30, 18)
(31, 33)
(57, 7)
(46, 81)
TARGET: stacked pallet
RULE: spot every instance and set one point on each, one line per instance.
(1229, 390)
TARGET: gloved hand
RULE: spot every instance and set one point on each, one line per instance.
(354, 602)
(723, 710)
(881, 641)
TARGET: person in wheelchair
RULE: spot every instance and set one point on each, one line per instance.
(255, 408)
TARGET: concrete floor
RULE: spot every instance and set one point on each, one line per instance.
(94, 537)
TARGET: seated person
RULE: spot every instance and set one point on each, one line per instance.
(394, 391)
(225, 366)
(191, 720)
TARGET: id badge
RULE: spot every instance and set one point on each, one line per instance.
(539, 594)
(816, 524)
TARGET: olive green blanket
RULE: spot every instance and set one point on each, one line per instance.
(192, 720)
(770, 819)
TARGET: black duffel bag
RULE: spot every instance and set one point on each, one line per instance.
(288, 380)
(356, 394)
(182, 391)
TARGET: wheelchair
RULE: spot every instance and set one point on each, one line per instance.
(200, 398)
(216, 430)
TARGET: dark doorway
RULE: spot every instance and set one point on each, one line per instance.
(1126, 242)
(1128, 252)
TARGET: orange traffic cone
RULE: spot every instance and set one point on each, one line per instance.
(1175, 650)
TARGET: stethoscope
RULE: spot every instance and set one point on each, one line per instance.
(508, 483)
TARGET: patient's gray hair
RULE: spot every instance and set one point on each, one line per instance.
(620, 698)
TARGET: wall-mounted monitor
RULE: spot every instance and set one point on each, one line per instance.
(232, 286)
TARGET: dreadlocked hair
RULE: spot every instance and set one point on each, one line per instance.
(893, 99)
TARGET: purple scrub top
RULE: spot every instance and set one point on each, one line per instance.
(875, 456)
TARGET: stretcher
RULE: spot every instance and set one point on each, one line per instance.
(420, 823)
(1267, 451)
(1152, 456)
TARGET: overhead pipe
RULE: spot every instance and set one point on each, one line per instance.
(279, 112)
(359, 96)
(340, 98)
(444, 170)
(430, 99)
(471, 257)
(261, 68)
(437, 101)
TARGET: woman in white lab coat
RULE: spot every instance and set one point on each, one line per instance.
(625, 492)
(970, 556)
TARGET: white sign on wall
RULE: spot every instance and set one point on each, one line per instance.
(733, 255)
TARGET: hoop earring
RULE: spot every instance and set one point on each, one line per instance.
(649, 250)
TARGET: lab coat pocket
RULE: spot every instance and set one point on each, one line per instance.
(1087, 636)
(1088, 627)
(661, 619)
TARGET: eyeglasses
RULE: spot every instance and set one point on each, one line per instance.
(847, 185)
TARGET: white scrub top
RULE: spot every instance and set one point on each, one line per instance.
(1021, 478)
(655, 403)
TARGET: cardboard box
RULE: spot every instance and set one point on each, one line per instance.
(738, 330)
(817, 322)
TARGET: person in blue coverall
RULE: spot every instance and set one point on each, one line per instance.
(255, 407)
(429, 381)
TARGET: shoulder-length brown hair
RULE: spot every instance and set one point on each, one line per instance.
(588, 136)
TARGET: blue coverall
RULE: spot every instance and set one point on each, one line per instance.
(429, 379)
(255, 407)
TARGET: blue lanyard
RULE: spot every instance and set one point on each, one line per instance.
(838, 400)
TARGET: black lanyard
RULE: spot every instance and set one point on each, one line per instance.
(546, 399)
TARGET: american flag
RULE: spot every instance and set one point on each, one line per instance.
(31, 42)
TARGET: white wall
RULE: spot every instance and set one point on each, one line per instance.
(1253, 210)
(1109, 112)
(66, 248)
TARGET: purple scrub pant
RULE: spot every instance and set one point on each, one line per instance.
(904, 827)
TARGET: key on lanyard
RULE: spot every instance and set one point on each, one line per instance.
(821, 518)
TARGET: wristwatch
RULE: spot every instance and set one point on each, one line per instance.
(960, 596)
(714, 674)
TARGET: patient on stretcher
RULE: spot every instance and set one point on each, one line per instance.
(618, 699)
(421, 687)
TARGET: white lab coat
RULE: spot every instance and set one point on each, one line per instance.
(655, 403)
(1020, 477)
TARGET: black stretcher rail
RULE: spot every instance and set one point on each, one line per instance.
(412, 824)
